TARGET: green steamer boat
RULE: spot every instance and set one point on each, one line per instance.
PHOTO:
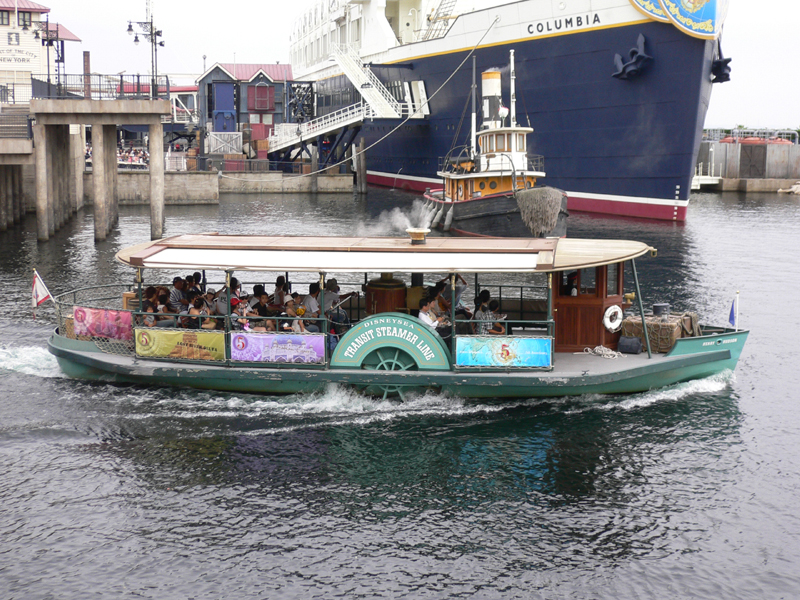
(560, 319)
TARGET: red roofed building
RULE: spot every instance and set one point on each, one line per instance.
(234, 97)
(24, 31)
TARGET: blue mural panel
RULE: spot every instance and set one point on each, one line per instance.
(503, 351)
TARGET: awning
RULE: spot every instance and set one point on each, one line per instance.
(375, 255)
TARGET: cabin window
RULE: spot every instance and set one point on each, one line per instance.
(587, 282)
(612, 283)
(501, 143)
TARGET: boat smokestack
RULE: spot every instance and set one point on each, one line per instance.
(491, 94)
(417, 235)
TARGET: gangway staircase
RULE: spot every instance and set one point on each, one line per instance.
(440, 22)
(377, 103)
(374, 93)
(289, 135)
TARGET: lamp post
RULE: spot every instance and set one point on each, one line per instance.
(43, 33)
(149, 32)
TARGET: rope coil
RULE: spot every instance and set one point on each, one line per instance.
(602, 352)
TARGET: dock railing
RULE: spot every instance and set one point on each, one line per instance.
(99, 87)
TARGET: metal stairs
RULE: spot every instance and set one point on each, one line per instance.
(288, 135)
(382, 103)
(440, 22)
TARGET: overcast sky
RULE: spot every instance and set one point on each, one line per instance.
(761, 38)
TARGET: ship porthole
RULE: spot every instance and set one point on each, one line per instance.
(492, 184)
(528, 184)
(483, 185)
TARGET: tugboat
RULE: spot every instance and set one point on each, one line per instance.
(488, 186)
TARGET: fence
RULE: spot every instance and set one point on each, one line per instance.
(99, 87)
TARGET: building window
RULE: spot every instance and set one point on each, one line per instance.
(4, 20)
(260, 98)
(24, 19)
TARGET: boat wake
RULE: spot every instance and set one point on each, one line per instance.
(30, 360)
(709, 385)
(336, 405)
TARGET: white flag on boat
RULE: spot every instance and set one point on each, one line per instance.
(40, 293)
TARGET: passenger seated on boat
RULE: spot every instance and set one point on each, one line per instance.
(438, 324)
(262, 309)
(497, 327)
(209, 299)
(191, 285)
(177, 297)
(281, 291)
(183, 319)
(332, 298)
(238, 320)
(289, 321)
(311, 306)
(482, 316)
(163, 308)
(196, 312)
(258, 289)
(149, 305)
(198, 281)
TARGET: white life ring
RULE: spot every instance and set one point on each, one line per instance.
(612, 319)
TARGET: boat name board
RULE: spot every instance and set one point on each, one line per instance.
(397, 332)
(730, 341)
(564, 23)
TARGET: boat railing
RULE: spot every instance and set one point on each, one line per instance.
(109, 316)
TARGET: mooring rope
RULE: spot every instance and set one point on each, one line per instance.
(602, 352)
(403, 122)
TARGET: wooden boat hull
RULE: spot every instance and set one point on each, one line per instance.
(691, 358)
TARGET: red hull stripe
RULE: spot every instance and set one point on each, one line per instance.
(624, 206)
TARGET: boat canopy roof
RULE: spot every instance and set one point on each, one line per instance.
(375, 255)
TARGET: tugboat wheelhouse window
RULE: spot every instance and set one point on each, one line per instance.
(612, 281)
(587, 279)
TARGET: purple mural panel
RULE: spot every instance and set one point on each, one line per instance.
(278, 347)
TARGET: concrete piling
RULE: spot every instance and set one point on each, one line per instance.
(42, 217)
(4, 201)
(60, 163)
(156, 142)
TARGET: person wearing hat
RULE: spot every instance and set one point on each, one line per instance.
(289, 320)
(332, 299)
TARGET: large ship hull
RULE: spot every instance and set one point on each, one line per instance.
(616, 146)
